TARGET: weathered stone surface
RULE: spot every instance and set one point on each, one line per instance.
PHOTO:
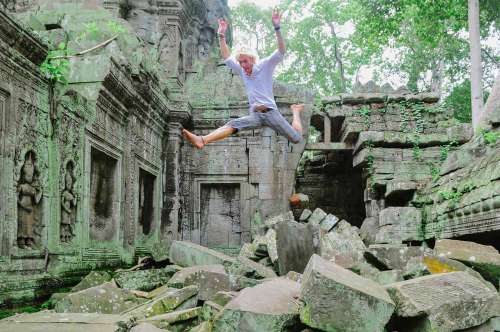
(343, 245)
(328, 223)
(145, 280)
(146, 327)
(209, 310)
(306, 213)
(187, 254)
(484, 259)
(401, 222)
(44, 321)
(251, 269)
(317, 217)
(172, 317)
(178, 280)
(368, 230)
(270, 306)
(337, 299)
(222, 298)
(164, 303)
(272, 249)
(400, 189)
(203, 327)
(209, 282)
(103, 299)
(271, 222)
(393, 256)
(94, 278)
(436, 265)
(293, 254)
(450, 301)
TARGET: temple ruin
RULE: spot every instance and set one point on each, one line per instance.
(95, 174)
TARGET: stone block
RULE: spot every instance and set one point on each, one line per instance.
(445, 302)
(294, 243)
(484, 259)
(328, 223)
(209, 282)
(94, 278)
(145, 280)
(337, 299)
(317, 217)
(104, 299)
(394, 256)
(343, 245)
(187, 254)
(270, 306)
(306, 213)
(178, 280)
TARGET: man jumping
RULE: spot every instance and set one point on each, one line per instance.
(258, 79)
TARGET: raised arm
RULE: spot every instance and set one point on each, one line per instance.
(276, 23)
(222, 39)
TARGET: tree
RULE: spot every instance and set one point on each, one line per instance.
(476, 70)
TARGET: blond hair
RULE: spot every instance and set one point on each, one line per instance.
(245, 51)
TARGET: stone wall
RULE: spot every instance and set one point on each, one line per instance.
(94, 170)
(398, 141)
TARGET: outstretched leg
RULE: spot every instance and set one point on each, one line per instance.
(216, 135)
(296, 123)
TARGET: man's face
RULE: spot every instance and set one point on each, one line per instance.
(246, 62)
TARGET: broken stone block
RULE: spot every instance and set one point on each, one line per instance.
(294, 243)
(306, 213)
(210, 310)
(343, 245)
(328, 223)
(145, 280)
(404, 224)
(484, 259)
(145, 327)
(400, 190)
(178, 280)
(270, 306)
(393, 256)
(271, 222)
(337, 299)
(164, 303)
(445, 302)
(222, 298)
(104, 299)
(436, 265)
(209, 282)
(272, 249)
(317, 217)
(202, 327)
(248, 268)
(188, 254)
(248, 250)
(94, 278)
(368, 229)
(165, 320)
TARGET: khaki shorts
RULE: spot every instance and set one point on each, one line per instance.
(270, 118)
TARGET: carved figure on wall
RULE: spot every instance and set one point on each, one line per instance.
(68, 206)
(29, 196)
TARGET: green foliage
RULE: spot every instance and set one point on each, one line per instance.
(365, 113)
(56, 69)
(490, 137)
(445, 149)
(434, 171)
(455, 195)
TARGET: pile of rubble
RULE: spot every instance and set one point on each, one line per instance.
(311, 275)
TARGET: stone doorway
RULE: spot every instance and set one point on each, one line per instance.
(103, 196)
(220, 215)
(146, 201)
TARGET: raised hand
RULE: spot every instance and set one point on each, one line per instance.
(276, 17)
(222, 26)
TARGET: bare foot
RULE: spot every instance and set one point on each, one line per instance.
(297, 107)
(196, 140)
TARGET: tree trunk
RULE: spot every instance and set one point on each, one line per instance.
(476, 72)
(437, 77)
(338, 58)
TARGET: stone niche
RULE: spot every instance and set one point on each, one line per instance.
(104, 196)
(145, 204)
(220, 215)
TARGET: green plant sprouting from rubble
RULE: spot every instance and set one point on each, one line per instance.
(55, 67)
(455, 194)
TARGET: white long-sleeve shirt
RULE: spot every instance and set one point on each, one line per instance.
(259, 85)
